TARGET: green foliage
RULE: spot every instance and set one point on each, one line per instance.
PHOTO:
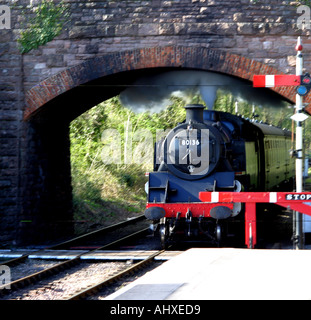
(43, 25)
(279, 117)
(86, 131)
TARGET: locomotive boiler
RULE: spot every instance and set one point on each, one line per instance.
(213, 151)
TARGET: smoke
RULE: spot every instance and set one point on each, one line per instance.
(153, 92)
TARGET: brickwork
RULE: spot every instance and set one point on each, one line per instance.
(39, 93)
(147, 58)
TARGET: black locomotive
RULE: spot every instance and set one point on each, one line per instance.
(213, 151)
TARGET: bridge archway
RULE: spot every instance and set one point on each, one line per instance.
(54, 102)
(87, 73)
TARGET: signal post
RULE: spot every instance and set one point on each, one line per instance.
(297, 217)
(303, 83)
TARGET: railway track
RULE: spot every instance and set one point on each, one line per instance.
(84, 293)
(123, 232)
(77, 280)
(73, 258)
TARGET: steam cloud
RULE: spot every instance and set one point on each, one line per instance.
(153, 92)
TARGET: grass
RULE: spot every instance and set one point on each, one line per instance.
(102, 196)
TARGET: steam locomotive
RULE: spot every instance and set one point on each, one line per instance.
(213, 151)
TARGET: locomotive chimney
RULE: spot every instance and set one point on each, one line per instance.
(194, 112)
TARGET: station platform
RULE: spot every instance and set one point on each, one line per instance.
(225, 274)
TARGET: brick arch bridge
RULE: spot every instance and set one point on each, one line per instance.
(114, 42)
(199, 58)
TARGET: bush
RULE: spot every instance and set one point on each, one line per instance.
(43, 25)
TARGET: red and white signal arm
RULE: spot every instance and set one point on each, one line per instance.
(270, 81)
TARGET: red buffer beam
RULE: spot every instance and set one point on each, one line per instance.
(270, 81)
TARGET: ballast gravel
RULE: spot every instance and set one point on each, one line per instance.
(64, 284)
